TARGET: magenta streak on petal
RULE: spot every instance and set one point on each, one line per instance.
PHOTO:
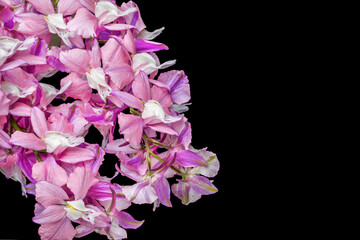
(135, 18)
(149, 46)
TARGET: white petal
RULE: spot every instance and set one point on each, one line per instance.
(153, 108)
(96, 80)
(107, 12)
(55, 20)
(54, 140)
(15, 90)
(145, 62)
(144, 34)
(76, 209)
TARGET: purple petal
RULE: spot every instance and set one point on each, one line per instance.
(179, 85)
(202, 185)
(128, 99)
(149, 46)
(187, 158)
(127, 221)
(162, 189)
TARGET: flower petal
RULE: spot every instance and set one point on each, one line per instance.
(44, 6)
(80, 181)
(50, 214)
(50, 171)
(128, 99)
(127, 221)
(27, 140)
(38, 122)
(84, 23)
(162, 189)
(132, 128)
(62, 229)
(187, 158)
(49, 194)
(75, 155)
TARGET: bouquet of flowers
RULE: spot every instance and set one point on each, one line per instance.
(110, 82)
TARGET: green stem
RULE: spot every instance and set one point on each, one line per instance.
(159, 143)
(134, 112)
(37, 156)
(14, 124)
(148, 152)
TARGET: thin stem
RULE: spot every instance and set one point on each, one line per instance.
(148, 152)
(14, 124)
(37, 156)
(159, 143)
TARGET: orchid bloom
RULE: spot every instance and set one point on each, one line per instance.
(55, 20)
(46, 137)
(55, 210)
(86, 23)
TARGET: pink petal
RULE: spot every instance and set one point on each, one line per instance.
(77, 60)
(140, 193)
(162, 127)
(27, 140)
(120, 74)
(128, 99)
(112, 52)
(68, 7)
(141, 87)
(20, 109)
(4, 139)
(84, 23)
(32, 24)
(50, 214)
(131, 127)
(38, 122)
(79, 88)
(75, 155)
(80, 181)
(50, 171)
(48, 194)
(62, 229)
(44, 6)
(89, 4)
(118, 26)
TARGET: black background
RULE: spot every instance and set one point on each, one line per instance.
(197, 34)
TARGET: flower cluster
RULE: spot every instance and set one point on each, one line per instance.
(110, 82)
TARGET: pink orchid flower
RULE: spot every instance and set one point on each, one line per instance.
(52, 21)
(55, 138)
(89, 22)
(154, 114)
(55, 209)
